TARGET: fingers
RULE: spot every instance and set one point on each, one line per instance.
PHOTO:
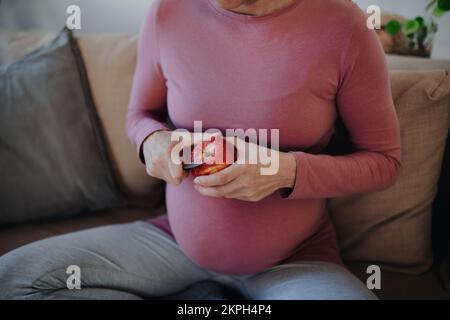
(220, 178)
(162, 167)
(176, 173)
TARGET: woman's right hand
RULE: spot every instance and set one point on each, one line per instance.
(162, 160)
(157, 150)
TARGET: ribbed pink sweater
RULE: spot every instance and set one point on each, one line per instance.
(292, 70)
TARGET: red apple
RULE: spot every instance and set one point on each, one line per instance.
(212, 156)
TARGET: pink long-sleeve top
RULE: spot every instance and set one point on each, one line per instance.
(295, 70)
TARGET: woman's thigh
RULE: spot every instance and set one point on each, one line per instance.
(306, 281)
(115, 261)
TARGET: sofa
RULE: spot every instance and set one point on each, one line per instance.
(110, 61)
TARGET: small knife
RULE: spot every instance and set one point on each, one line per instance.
(190, 166)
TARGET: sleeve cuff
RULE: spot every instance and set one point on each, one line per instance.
(296, 192)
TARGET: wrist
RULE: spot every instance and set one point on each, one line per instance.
(287, 170)
(145, 142)
(153, 135)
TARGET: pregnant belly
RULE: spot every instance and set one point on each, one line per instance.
(237, 237)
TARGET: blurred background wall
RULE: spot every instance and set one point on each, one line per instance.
(126, 16)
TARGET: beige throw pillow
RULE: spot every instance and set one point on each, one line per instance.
(392, 227)
(110, 63)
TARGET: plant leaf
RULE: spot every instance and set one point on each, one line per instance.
(393, 27)
(411, 26)
(421, 21)
(444, 5)
(437, 12)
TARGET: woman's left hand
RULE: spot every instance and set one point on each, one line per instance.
(243, 180)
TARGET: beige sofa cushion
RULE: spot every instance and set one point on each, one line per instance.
(110, 63)
(393, 227)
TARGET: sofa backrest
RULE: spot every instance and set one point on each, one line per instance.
(396, 62)
(110, 62)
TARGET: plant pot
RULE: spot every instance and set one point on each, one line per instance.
(419, 43)
(422, 50)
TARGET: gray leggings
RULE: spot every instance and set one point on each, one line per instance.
(137, 260)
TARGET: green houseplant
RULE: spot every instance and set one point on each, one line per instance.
(420, 31)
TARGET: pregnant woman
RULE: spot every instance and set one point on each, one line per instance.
(292, 65)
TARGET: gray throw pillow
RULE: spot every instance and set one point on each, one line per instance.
(53, 163)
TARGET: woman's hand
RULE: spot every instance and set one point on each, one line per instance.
(244, 181)
(162, 154)
(157, 149)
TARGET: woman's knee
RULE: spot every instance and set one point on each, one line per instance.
(33, 270)
(133, 257)
(16, 275)
(21, 279)
(308, 281)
